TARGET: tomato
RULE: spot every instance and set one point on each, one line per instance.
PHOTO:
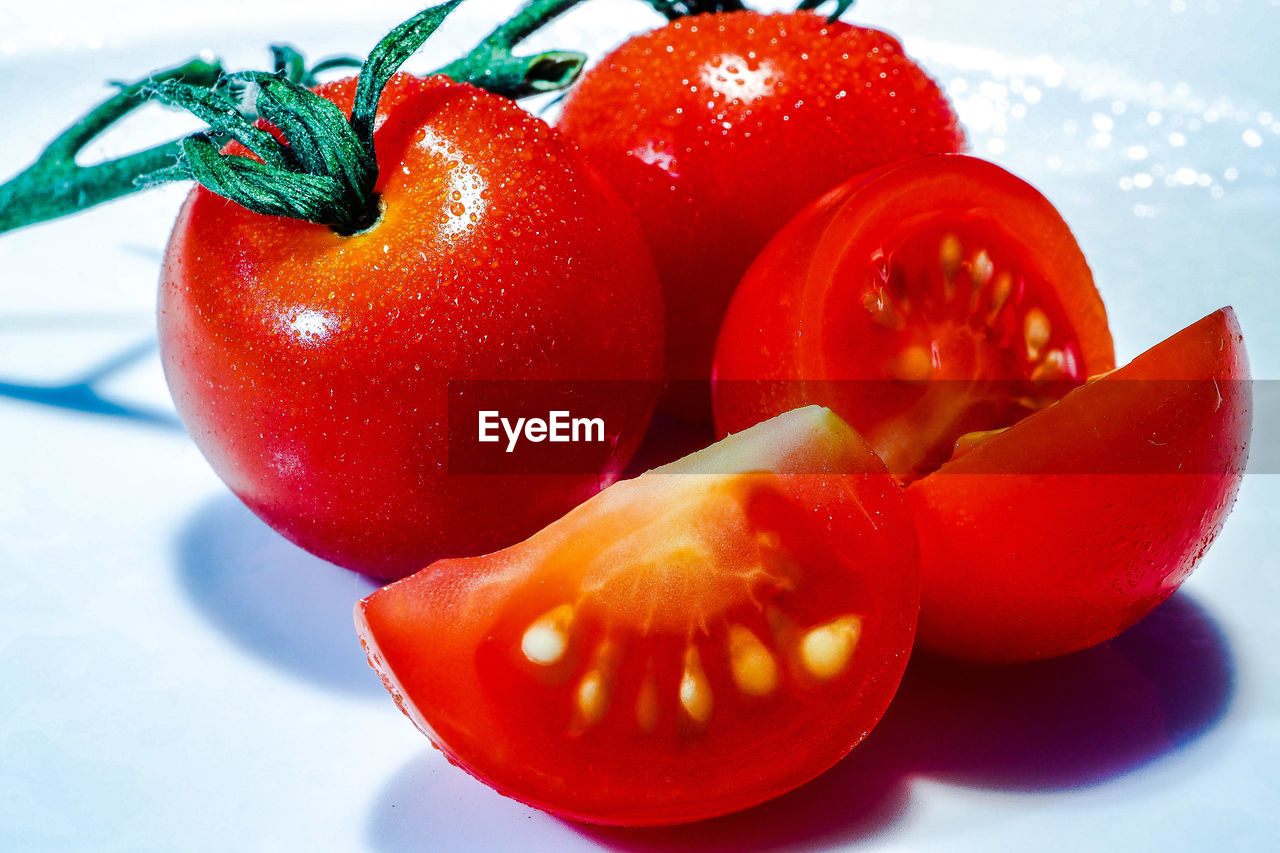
(1073, 524)
(699, 639)
(312, 368)
(922, 301)
(717, 129)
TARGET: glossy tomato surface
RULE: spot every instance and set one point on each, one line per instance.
(704, 637)
(312, 368)
(921, 301)
(1073, 524)
(717, 129)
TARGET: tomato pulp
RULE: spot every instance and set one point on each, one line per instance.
(922, 301)
(704, 637)
(312, 368)
(717, 129)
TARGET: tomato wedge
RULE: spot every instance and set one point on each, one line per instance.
(908, 300)
(1073, 524)
(694, 641)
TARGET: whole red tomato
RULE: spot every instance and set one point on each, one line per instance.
(312, 368)
(717, 129)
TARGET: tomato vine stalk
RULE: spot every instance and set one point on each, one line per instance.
(55, 185)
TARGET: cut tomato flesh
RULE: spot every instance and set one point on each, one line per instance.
(1064, 529)
(952, 309)
(923, 301)
(685, 644)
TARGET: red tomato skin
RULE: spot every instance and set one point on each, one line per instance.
(713, 167)
(441, 640)
(311, 368)
(1075, 523)
(787, 338)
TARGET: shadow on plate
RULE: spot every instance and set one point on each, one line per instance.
(1052, 726)
(1073, 721)
(293, 609)
(82, 394)
(274, 599)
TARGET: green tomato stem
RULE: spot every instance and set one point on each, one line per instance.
(55, 185)
(491, 65)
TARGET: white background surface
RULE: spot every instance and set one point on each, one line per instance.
(173, 675)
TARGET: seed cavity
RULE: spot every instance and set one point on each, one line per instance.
(1036, 331)
(949, 254)
(1000, 294)
(913, 364)
(593, 697)
(780, 626)
(983, 269)
(1056, 365)
(647, 704)
(695, 690)
(879, 304)
(754, 669)
(825, 650)
(546, 640)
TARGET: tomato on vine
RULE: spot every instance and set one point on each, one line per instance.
(718, 128)
(403, 239)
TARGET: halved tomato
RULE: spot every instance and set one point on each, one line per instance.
(943, 309)
(1073, 524)
(699, 639)
(930, 298)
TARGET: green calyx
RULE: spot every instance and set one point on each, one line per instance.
(327, 171)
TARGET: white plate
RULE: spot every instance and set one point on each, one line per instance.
(176, 676)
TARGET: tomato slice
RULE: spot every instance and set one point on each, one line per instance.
(699, 639)
(1073, 524)
(922, 301)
